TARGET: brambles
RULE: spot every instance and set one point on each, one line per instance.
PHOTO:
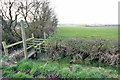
(100, 50)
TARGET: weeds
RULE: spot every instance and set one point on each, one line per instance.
(53, 69)
(21, 75)
(25, 67)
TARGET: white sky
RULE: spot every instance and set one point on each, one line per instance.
(86, 11)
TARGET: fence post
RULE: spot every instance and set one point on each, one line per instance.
(5, 47)
(44, 42)
(32, 35)
(44, 35)
(33, 39)
(33, 42)
(24, 39)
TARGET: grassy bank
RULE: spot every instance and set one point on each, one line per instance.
(57, 69)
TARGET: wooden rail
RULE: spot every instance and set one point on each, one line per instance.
(5, 46)
(11, 45)
(34, 42)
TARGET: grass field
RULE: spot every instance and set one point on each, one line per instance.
(110, 33)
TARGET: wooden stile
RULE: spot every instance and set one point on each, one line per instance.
(33, 43)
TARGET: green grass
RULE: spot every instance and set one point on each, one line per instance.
(110, 33)
(42, 69)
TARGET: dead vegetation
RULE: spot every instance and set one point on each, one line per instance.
(100, 50)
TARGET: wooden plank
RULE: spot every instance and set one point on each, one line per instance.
(41, 48)
(29, 43)
(30, 47)
(38, 39)
(5, 47)
(11, 45)
(37, 45)
(32, 52)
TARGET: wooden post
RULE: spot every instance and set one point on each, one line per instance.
(44, 35)
(33, 40)
(32, 35)
(24, 39)
(44, 42)
(5, 47)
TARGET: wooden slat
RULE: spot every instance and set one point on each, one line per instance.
(30, 46)
(31, 53)
(30, 43)
(39, 44)
(38, 39)
(11, 45)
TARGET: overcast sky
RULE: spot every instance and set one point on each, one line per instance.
(86, 11)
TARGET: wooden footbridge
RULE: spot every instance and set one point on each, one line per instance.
(30, 45)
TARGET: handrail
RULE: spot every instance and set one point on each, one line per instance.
(8, 46)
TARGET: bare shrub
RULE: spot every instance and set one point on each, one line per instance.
(100, 50)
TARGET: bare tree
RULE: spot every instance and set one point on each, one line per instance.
(45, 19)
(9, 18)
(37, 14)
